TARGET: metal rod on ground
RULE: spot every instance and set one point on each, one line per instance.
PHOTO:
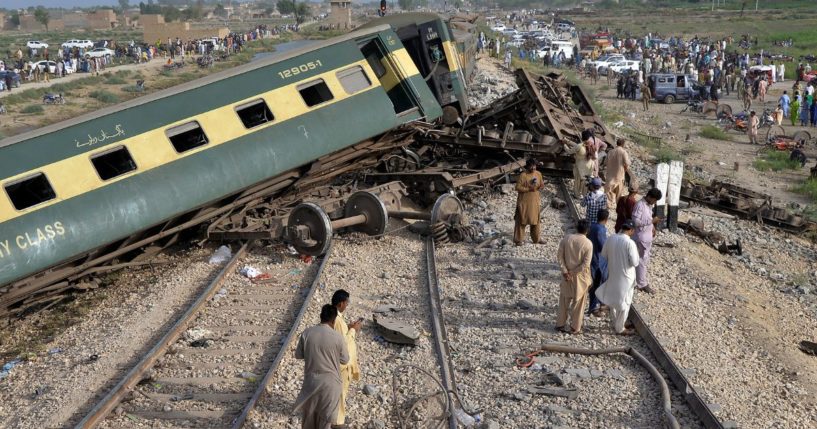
(134, 376)
(666, 399)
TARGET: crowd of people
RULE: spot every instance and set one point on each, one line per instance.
(70, 59)
(599, 274)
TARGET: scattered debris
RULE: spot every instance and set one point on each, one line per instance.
(222, 255)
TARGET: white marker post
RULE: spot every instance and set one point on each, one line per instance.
(676, 175)
(661, 181)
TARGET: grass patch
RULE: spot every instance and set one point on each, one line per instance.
(132, 88)
(115, 80)
(779, 161)
(32, 109)
(104, 96)
(809, 187)
(713, 132)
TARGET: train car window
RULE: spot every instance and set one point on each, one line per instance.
(113, 163)
(354, 79)
(30, 191)
(315, 92)
(254, 113)
(187, 136)
(375, 64)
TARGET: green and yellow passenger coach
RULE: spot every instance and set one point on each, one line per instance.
(429, 41)
(81, 184)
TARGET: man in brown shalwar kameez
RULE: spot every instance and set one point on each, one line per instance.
(323, 351)
(527, 203)
(574, 255)
(618, 164)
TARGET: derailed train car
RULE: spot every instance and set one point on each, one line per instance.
(90, 183)
(433, 49)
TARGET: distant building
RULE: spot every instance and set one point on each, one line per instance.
(29, 23)
(3, 18)
(155, 28)
(340, 14)
(102, 19)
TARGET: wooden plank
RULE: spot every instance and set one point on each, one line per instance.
(183, 415)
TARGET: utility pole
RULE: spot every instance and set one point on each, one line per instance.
(756, 1)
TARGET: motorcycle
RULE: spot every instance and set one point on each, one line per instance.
(53, 99)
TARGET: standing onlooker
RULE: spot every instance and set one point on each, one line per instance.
(795, 108)
(625, 206)
(594, 201)
(644, 222)
(598, 265)
(618, 164)
(762, 85)
(574, 255)
(528, 185)
(646, 95)
(804, 111)
(582, 165)
(350, 371)
(751, 130)
(747, 97)
(621, 254)
(785, 103)
(323, 351)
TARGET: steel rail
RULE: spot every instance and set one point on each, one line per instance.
(134, 376)
(438, 324)
(691, 396)
(238, 422)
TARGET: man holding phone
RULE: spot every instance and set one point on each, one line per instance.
(351, 370)
(528, 185)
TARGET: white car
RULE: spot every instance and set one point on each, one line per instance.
(498, 28)
(52, 66)
(605, 61)
(99, 53)
(36, 44)
(625, 65)
(87, 44)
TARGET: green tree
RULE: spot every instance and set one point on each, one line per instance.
(299, 10)
(405, 4)
(42, 16)
(171, 14)
(220, 11)
(124, 4)
(15, 18)
(458, 4)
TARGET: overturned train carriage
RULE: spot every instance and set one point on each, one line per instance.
(81, 192)
(429, 41)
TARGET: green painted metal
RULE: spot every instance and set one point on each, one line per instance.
(58, 233)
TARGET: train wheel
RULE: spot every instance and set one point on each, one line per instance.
(367, 204)
(309, 229)
(448, 208)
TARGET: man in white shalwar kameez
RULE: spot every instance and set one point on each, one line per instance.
(621, 254)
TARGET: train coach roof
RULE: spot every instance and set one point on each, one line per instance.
(403, 19)
(178, 89)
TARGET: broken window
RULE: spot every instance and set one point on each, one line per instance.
(187, 136)
(354, 79)
(113, 163)
(30, 191)
(315, 92)
(254, 113)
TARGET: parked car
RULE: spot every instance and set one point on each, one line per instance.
(52, 67)
(16, 80)
(606, 60)
(671, 87)
(36, 44)
(625, 65)
(498, 28)
(75, 43)
(99, 53)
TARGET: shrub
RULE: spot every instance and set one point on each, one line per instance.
(713, 132)
(32, 109)
(104, 96)
(775, 161)
(115, 80)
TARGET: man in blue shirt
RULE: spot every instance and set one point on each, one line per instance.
(598, 265)
(785, 102)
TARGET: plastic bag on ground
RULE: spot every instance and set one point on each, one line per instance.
(221, 256)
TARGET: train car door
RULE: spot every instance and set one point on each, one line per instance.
(392, 77)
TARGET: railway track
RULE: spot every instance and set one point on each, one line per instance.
(507, 328)
(214, 380)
